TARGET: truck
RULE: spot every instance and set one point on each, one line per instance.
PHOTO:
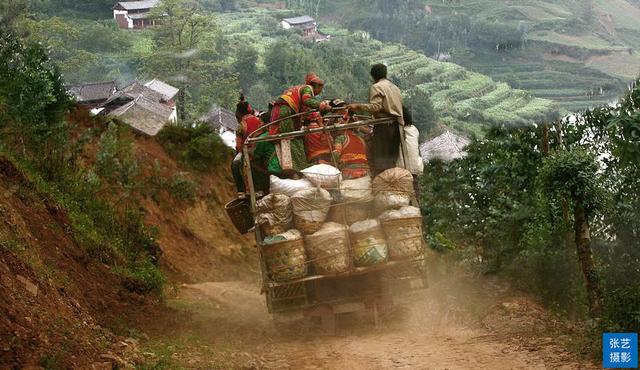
(323, 296)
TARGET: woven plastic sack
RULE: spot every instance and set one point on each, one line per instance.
(288, 187)
(323, 175)
(328, 249)
(385, 200)
(310, 208)
(356, 189)
(274, 214)
(413, 162)
(368, 243)
(404, 212)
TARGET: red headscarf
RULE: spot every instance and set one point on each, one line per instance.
(313, 78)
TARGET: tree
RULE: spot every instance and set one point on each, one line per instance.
(573, 174)
(32, 87)
(11, 12)
(33, 102)
(246, 66)
(424, 116)
(190, 54)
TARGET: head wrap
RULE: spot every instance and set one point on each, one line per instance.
(313, 78)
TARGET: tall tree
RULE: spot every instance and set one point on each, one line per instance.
(189, 54)
(246, 66)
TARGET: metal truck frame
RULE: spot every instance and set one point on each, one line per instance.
(324, 296)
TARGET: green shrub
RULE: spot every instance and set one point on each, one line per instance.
(142, 277)
(182, 188)
(115, 159)
(199, 146)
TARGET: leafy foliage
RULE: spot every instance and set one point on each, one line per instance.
(197, 146)
(33, 121)
(190, 54)
(501, 207)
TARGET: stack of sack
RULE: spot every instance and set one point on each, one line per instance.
(353, 203)
(331, 225)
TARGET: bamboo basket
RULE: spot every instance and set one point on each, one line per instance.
(285, 260)
(329, 253)
(239, 211)
(404, 237)
(369, 247)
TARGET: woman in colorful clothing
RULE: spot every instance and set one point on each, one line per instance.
(247, 124)
(297, 99)
(317, 145)
(350, 153)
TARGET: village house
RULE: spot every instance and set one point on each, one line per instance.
(134, 14)
(145, 115)
(91, 95)
(145, 107)
(224, 122)
(308, 26)
(167, 91)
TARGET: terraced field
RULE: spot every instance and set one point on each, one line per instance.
(464, 99)
(577, 53)
(577, 63)
(573, 86)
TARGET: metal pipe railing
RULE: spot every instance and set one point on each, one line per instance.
(298, 133)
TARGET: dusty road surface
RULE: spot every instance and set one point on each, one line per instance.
(460, 322)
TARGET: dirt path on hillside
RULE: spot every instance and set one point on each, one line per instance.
(458, 323)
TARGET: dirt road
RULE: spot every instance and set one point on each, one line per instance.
(460, 322)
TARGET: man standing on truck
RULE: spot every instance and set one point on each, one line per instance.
(385, 100)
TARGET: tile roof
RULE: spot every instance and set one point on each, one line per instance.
(144, 115)
(89, 92)
(136, 89)
(168, 92)
(219, 117)
(135, 5)
(447, 147)
(299, 20)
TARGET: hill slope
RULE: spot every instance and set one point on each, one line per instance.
(463, 99)
(578, 53)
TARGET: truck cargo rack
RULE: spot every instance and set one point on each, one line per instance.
(327, 294)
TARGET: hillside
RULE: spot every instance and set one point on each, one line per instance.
(577, 53)
(245, 49)
(58, 270)
(463, 99)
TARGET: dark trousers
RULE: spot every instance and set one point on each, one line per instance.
(385, 147)
(236, 171)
